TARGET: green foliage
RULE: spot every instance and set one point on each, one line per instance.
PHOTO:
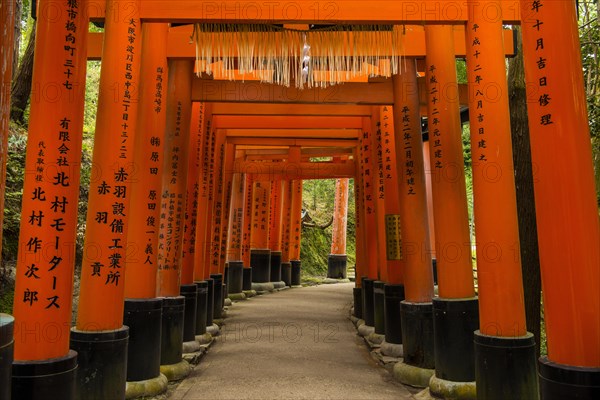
(26, 26)
(589, 35)
(461, 71)
(318, 199)
(91, 102)
(466, 141)
(13, 192)
(6, 300)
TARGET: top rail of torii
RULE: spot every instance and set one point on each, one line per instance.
(305, 11)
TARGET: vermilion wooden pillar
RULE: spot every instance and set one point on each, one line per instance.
(222, 173)
(177, 327)
(175, 166)
(412, 187)
(359, 266)
(204, 307)
(213, 232)
(204, 187)
(100, 323)
(45, 263)
(455, 313)
(394, 289)
(236, 217)
(566, 207)
(275, 211)
(195, 217)
(427, 164)
(501, 303)
(455, 273)
(236, 220)
(371, 248)
(148, 157)
(276, 207)
(415, 310)
(369, 200)
(196, 293)
(389, 173)
(196, 140)
(286, 215)
(227, 177)
(235, 279)
(379, 193)
(260, 255)
(296, 231)
(337, 260)
(247, 232)
(378, 183)
(142, 309)
(223, 167)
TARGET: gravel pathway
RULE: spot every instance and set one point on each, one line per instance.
(295, 344)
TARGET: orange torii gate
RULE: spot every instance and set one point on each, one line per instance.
(570, 272)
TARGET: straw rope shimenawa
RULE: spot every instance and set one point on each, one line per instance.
(318, 57)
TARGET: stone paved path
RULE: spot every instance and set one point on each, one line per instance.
(295, 344)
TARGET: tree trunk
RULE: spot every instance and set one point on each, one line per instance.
(21, 86)
(525, 196)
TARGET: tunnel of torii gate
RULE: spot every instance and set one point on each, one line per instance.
(201, 147)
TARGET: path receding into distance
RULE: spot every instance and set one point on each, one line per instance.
(294, 344)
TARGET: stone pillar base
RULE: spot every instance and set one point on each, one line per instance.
(357, 296)
(444, 389)
(260, 262)
(205, 338)
(331, 281)
(392, 349)
(376, 338)
(263, 287)
(365, 330)
(336, 266)
(417, 334)
(190, 347)
(201, 307)
(296, 268)
(176, 372)
(147, 388)
(286, 273)
(218, 295)
(237, 296)
(454, 321)
(411, 375)
(379, 307)
(102, 358)
(213, 330)
(505, 367)
(190, 292)
(368, 308)
(558, 381)
(172, 330)
(144, 319)
(35, 380)
(393, 296)
(275, 273)
(6, 354)
(278, 285)
(235, 281)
